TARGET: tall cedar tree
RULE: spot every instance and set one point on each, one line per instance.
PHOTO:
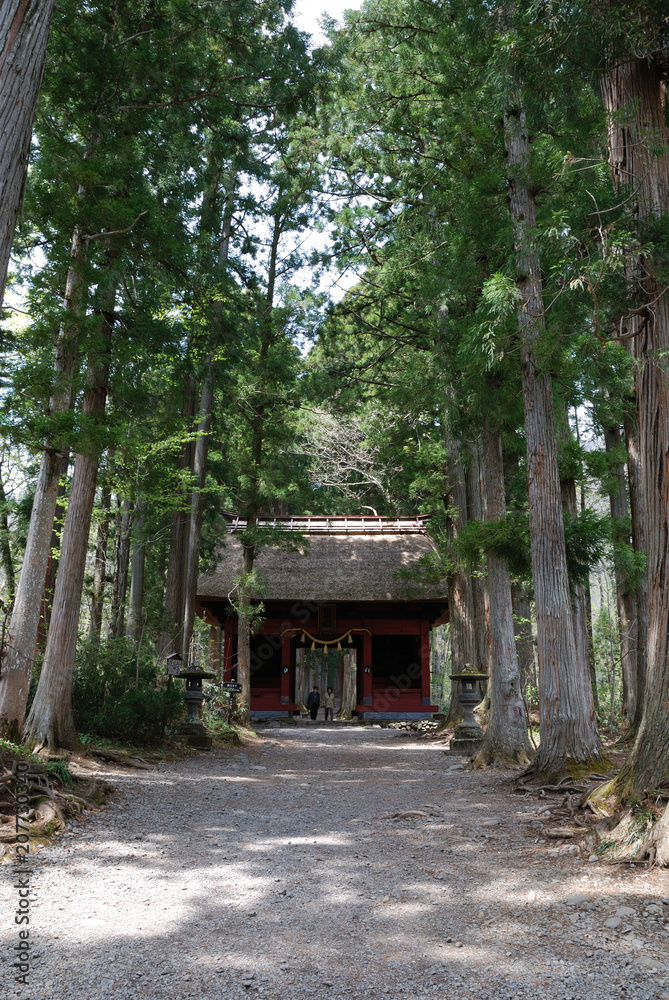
(24, 33)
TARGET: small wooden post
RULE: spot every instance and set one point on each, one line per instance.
(215, 641)
(425, 662)
(366, 668)
(227, 651)
(285, 669)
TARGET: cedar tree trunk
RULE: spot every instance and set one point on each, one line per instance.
(506, 739)
(52, 565)
(625, 598)
(50, 722)
(196, 508)
(175, 583)
(634, 95)
(244, 640)
(580, 599)
(21, 638)
(522, 616)
(568, 728)
(137, 580)
(100, 570)
(639, 544)
(121, 569)
(5, 548)
(460, 600)
(24, 33)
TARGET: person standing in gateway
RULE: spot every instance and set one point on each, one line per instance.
(314, 702)
(329, 704)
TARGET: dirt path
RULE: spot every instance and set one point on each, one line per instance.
(271, 871)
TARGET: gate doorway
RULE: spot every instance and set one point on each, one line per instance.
(327, 668)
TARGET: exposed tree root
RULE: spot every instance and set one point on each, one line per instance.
(563, 773)
(494, 755)
(50, 796)
(635, 835)
(118, 757)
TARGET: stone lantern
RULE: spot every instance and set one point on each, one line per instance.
(468, 735)
(193, 727)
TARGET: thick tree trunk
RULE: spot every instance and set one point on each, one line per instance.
(480, 599)
(100, 570)
(249, 550)
(5, 547)
(522, 616)
(244, 642)
(208, 216)
(175, 583)
(568, 728)
(121, 570)
(196, 509)
(580, 599)
(587, 599)
(50, 722)
(52, 564)
(506, 739)
(135, 622)
(24, 33)
(21, 638)
(591, 647)
(639, 545)
(625, 597)
(460, 600)
(634, 95)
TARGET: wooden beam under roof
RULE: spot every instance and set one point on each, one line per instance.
(347, 524)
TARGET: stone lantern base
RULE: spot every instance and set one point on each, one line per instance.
(466, 740)
(469, 734)
(196, 735)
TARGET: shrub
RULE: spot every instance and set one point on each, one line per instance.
(111, 698)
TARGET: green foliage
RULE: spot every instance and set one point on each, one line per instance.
(630, 563)
(509, 538)
(585, 538)
(605, 639)
(112, 699)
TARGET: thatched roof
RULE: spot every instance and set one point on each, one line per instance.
(338, 566)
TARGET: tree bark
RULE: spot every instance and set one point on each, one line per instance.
(625, 597)
(635, 99)
(175, 583)
(639, 545)
(506, 739)
(580, 595)
(21, 638)
(244, 638)
(196, 509)
(522, 614)
(100, 570)
(121, 568)
(52, 564)
(50, 722)
(5, 547)
(24, 33)
(209, 214)
(460, 600)
(587, 599)
(568, 728)
(136, 602)
(480, 599)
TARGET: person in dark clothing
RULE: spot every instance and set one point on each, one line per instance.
(313, 702)
(329, 704)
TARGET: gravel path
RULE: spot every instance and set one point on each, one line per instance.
(271, 870)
